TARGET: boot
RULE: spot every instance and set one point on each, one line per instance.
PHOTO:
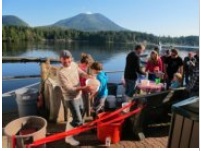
(69, 139)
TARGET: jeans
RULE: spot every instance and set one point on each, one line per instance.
(77, 109)
(130, 87)
(99, 103)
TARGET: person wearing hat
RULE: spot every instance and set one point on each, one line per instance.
(69, 76)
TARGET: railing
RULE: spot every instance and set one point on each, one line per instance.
(38, 60)
(25, 60)
(11, 93)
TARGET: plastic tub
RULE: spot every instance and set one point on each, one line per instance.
(110, 103)
(26, 99)
(26, 130)
(112, 131)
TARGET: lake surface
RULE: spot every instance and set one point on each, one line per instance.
(112, 57)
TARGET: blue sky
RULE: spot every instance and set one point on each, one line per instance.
(160, 17)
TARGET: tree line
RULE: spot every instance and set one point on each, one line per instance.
(19, 33)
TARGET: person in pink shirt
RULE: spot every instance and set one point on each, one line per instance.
(85, 62)
(153, 65)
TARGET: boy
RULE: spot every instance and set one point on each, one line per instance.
(99, 101)
(176, 81)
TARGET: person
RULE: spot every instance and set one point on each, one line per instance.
(173, 64)
(157, 49)
(132, 67)
(85, 61)
(165, 56)
(68, 76)
(196, 56)
(193, 86)
(189, 63)
(101, 95)
(176, 81)
(153, 66)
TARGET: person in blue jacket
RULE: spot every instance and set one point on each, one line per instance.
(177, 81)
(101, 95)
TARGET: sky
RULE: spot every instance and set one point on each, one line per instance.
(159, 17)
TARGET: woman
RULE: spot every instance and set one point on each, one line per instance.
(154, 65)
(85, 61)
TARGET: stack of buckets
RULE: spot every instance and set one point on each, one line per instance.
(111, 131)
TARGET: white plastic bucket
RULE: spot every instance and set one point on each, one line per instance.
(126, 110)
(111, 98)
(94, 83)
(110, 102)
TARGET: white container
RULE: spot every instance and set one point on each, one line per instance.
(111, 98)
(94, 83)
(13, 127)
(110, 102)
(126, 110)
(108, 141)
(26, 99)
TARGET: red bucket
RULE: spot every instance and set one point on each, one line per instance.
(112, 130)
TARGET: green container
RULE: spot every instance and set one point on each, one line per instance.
(157, 80)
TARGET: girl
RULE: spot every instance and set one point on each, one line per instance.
(153, 65)
(85, 61)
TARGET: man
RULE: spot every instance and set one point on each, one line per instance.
(189, 63)
(197, 56)
(131, 69)
(165, 55)
(193, 85)
(71, 90)
(173, 64)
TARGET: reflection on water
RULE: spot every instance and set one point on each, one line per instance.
(112, 56)
(102, 53)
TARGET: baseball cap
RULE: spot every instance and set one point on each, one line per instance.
(65, 54)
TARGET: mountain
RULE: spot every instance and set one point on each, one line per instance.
(11, 20)
(89, 22)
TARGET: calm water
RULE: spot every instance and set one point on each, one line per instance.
(112, 57)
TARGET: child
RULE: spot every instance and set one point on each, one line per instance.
(101, 95)
(176, 82)
(85, 61)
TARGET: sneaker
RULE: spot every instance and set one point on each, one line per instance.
(70, 140)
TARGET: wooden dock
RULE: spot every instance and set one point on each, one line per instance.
(156, 136)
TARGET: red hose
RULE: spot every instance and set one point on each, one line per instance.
(85, 127)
